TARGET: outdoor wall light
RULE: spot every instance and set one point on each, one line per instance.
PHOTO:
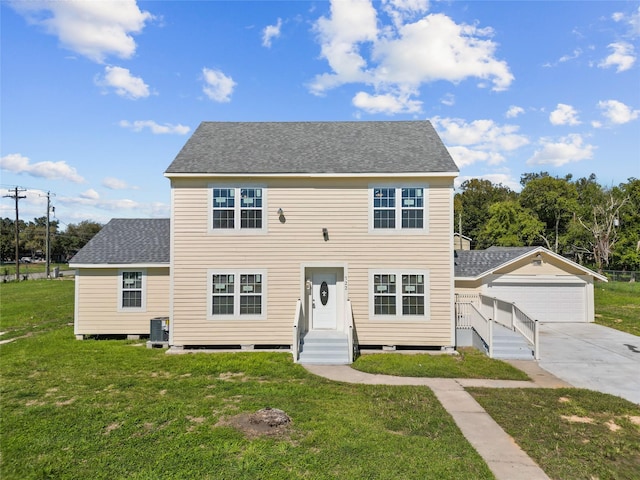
(280, 212)
(325, 234)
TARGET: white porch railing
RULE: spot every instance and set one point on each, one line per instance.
(295, 345)
(478, 311)
(351, 333)
(512, 317)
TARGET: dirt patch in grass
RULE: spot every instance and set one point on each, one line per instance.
(270, 422)
(232, 376)
(633, 419)
(576, 419)
(111, 428)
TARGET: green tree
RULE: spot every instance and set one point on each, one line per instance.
(471, 205)
(511, 225)
(34, 236)
(626, 252)
(554, 201)
(8, 239)
(69, 242)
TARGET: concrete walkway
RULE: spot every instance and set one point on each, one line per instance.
(592, 356)
(506, 460)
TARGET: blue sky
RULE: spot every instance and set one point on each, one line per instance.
(97, 97)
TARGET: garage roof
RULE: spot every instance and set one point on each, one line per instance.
(474, 264)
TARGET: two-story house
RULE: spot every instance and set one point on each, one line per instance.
(287, 230)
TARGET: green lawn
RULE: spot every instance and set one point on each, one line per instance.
(570, 433)
(115, 409)
(470, 363)
(617, 305)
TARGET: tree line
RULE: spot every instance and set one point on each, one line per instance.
(33, 239)
(592, 224)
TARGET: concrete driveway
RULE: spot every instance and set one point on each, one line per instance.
(591, 356)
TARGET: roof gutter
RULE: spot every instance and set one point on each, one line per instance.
(315, 175)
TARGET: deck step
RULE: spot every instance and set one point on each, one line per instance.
(324, 348)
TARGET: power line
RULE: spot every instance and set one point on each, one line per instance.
(16, 196)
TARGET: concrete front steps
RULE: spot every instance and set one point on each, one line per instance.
(510, 345)
(324, 347)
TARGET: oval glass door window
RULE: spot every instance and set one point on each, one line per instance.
(324, 293)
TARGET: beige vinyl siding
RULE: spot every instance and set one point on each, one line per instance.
(468, 286)
(98, 301)
(548, 266)
(309, 205)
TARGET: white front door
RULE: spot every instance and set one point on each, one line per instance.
(323, 301)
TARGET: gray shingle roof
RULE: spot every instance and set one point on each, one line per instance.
(472, 263)
(128, 241)
(313, 147)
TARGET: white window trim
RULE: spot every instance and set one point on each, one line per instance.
(398, 230)
(236, 230)
(236, 293)
(398, 272)
(143, 307)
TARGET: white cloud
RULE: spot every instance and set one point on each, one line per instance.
(91, 200)
(514, 111)
(623, 57)
(448, 99)
(218, 87)
(402, 10)
(155, 128)
(89, 28)
(564, 115)
(568, 149)
(387, 103)
(484, 134)
(633, 20)
(617, 112)
(90, 194)
(113, 183)
(464, 156)
(495, 178)
(351, 22)
(125, 84)
(397, 59)
(270, 32)
(17, 163)
(575, 54)
(478, 141)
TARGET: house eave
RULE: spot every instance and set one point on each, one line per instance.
(316, 175)
(121, 265)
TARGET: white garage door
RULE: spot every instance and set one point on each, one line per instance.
(547, 302)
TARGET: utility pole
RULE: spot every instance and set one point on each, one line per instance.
(48, 241)
(16, 196)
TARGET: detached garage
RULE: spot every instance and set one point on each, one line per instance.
(544, 285)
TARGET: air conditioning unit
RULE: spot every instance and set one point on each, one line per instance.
(159, 330)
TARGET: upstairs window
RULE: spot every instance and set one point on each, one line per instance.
(237, 208)
(398, 208)
(384, 208)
